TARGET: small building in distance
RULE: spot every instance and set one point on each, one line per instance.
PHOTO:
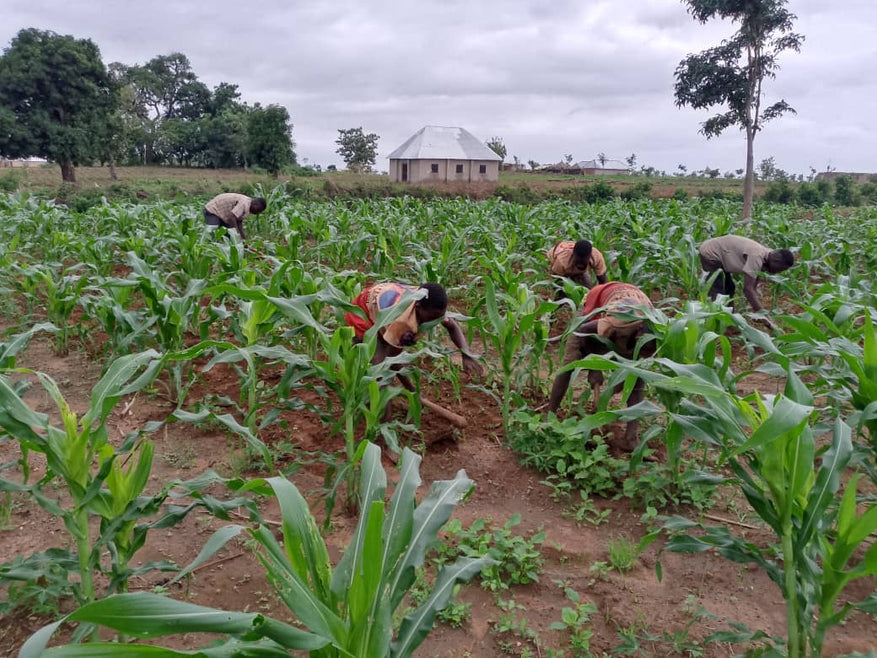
(607, 168)
(858, 177)
(22, 163)
(443, 154)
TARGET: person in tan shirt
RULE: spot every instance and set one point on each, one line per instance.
(230, 210)
(574, 259)
(734, 254)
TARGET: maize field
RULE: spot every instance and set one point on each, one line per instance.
(194, 454)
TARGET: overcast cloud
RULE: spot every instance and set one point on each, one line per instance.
(550, 78)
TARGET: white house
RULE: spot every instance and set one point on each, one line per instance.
(443, 154)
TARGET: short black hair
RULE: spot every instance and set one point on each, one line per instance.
(785, 257)
(258, 204)
(436, 297)
(583, 249)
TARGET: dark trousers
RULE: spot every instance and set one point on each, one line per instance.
(212, 220)
(723, 283)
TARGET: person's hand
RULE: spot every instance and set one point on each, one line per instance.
(472, 367)
(407, 339)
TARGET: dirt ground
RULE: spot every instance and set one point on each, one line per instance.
(635, 601)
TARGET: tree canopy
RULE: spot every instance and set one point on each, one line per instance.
(269, 138)
(731, 75)
(55, 96)
(358, 149)
(59, 101)
(496, 145)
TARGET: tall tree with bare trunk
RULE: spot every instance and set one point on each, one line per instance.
(732, 74)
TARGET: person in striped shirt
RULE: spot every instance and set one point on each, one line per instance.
(622, 325)
(405, 330)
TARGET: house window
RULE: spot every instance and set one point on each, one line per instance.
(482, 169)
(459, 169)
(433, 168)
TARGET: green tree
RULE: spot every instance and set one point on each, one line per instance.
(358, 150)
(496, 145)
(55, 96)
(731, 74)
(269, 138)
(601, 158)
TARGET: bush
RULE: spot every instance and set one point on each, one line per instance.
(779, 192)
(868, 191)
(599, 191)
(680, 194)
(844, 191)
(517, 194)
(810, 195)
(9, 182)
(641, 190)
(826, 191)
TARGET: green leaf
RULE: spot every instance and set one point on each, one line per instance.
(304, 546)
(834, 461)
(429, 517)
(787, 416)
(219, 539)
(148, 615)
(416, 625)
(117, 382)
(233, 648)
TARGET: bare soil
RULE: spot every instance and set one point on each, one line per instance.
(634, 601)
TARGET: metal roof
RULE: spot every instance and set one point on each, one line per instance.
(609, 164)
(443, 143)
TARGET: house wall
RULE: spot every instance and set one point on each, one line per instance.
(421, 171)
(856, 176)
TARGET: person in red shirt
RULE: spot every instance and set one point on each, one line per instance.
(404, 331)
(623, 332)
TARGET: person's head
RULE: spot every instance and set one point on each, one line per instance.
(258, 205)
(433, 306)
(779, 260)
(581, 253)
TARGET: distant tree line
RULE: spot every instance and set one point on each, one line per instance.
(59, 101)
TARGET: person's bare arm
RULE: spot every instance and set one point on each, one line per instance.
(582, 279)
(239, 225)
(382, 350)
(470, 365)
(602, 278)
(750, 290)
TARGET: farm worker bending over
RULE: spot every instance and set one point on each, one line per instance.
(734, 254)
(572, 260)
(622, 332)
(230, 210)
(404, 330)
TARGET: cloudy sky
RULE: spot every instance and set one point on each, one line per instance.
(550, 77)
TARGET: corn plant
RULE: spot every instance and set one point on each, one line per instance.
(345, 611)
(72, 449)
(100, 482)
(174, 316)
(522, 329)
(107, 304)
(349, 373)
(768, 443)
